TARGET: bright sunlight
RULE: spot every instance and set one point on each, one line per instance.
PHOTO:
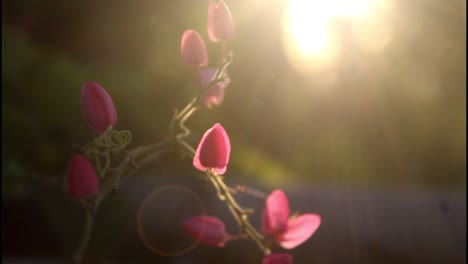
(306, 28)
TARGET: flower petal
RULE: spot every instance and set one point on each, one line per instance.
(196, 159)
(228, 27)
(278, 258)
(209, 230)
(299, 230)
(213, 151)
(211, 11)
(193, 49)
(206, 76)
(220, 22)
(82, 178)
(215, 94)
(97, 107)
(276, 213)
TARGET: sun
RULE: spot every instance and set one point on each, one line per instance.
(308, 30)
(306, 25)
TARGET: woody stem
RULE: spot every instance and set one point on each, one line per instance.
(89, 219)
(239, 214)
(141, 153)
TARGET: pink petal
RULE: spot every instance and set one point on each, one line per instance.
(196, 159)
(220, 23)
(278, 258)
(97, 107)
(276, 213)
(82, 178)
(299, 230)
(193, 49)
(215, 94)
(213, 150)
(206, 76)
(225, 27)
(209, 230)
(211, 10)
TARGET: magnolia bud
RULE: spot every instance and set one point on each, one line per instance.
(278, 258)
(220, 23)
(209, 230)
(82, 178)
(213, 150)
(193, 49)
(215, 94)
(97, 107)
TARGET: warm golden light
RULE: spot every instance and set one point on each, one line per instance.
(307, 35)
(309, 31)
(348, 8)
(372, 32)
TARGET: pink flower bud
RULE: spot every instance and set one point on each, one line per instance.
(215, 94)
(205, 76)
(207, 229)
(278, 258)
(220, 23)
(287, 232)
(82, 178)
(97, 106)
(213, 150)
(193, 49)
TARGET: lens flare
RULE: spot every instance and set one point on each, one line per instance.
(160, 218)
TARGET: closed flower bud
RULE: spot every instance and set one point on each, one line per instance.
(193, 49)
(82, 178)
(97, 107)
(213, 150)
(220, 23)
(278, 258)
(207, 229)
(215, 94)
(206, 76)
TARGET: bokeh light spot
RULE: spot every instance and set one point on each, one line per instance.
(310, 41)
(160, 218)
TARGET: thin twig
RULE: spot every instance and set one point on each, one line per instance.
(141, 154)
(239, 214)
(86, 234)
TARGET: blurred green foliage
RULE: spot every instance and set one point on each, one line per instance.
(394, 120)
(369, 129)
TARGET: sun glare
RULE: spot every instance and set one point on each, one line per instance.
(306, 27)
(308, 31)
(349, 8)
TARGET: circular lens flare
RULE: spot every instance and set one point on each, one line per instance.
(160, 218)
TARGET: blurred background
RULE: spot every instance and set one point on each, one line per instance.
(356, 109)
